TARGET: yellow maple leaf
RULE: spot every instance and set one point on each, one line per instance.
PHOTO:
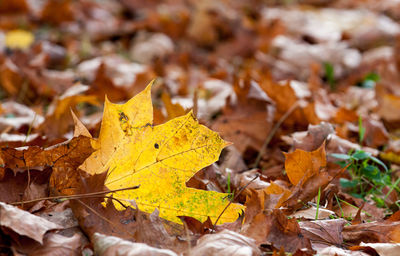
(158, 158)
(19, 39)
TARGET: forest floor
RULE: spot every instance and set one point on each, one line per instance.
(307, 92)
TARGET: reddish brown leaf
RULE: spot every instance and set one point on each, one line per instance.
(374, 232)
(63, 158)
(323, 233)
(301, 194)
(248, 122)
(24, 223)
(276, 229)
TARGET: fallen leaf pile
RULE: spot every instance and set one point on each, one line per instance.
(199, 127)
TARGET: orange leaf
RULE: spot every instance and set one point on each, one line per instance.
(275, 189)
(300, 165)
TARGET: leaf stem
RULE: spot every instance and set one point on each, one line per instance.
(77, 196)
(273, 131)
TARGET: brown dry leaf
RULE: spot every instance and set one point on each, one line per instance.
(223, 243)
(336, 251)
(275, 189)
(384, 249)
(388, 106)
(365, 249)
(117, 78)
(173, 109)
(197, 227)
(310, 213)
(65, 177)
(231, 158)
(285, 95)
(357, 219)
(304, 192)
(17, 6)
(275, 228)
(51, 11)
(151, 230)
(255, 200)
(130, 224)
(10, 77)
(63, 158)
(252, 176)
(313, 138)
(345, 115)
(375, 133)
(370, 211)
(323, 233)
(209, 178)
(111, 245)
(374, 232)
(148, 47)
(248, 122)
(300, 165)
(80, 128)
(104, 85)
(201, 29)
(58, 120)
(55, 244)
(14, 186)
(24, 223)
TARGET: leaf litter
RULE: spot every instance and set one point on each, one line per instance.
(302, 101)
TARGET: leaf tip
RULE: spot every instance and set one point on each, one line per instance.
(80, 128)
(226, 143)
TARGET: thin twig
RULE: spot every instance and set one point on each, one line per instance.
(273, 131)
(195, 102)
(30, 129)
(236, 196)
(87, 195)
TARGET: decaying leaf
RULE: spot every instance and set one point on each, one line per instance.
(55, 244)
(111, 245)
(276, 189)
(158, 158)
(373, 232)
(62, 158)
(248, 122)
(302, 193)
(323, 233)
(225, 243)
(384, 249)
(274, 228)
(58, 119)
(24, 223)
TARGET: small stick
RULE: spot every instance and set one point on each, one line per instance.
(196, 102)
(230, 202)
(273, 131)
(74, 196)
